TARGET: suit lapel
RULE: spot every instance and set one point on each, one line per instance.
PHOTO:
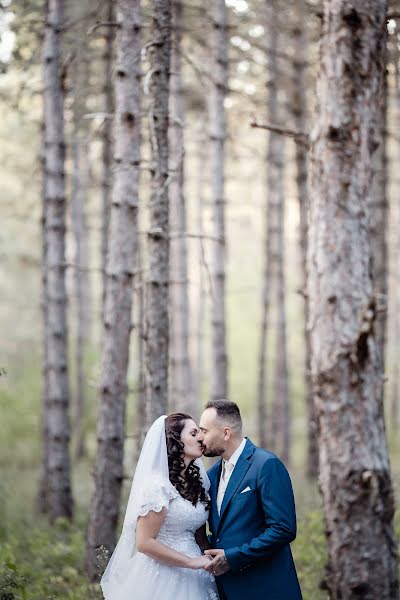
(238, 473)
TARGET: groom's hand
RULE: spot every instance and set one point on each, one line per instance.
(219, 564)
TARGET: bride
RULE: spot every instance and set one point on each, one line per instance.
(165, 519)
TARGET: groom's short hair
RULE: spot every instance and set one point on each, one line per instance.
(228, 412)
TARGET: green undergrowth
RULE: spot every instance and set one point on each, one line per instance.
(40, 562)
(43, 562)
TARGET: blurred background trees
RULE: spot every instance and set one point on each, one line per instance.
(154, 254)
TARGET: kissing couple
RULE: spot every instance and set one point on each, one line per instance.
(246, 497)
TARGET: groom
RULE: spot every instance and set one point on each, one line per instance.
(252, 518)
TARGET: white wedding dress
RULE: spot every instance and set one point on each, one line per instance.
(149, 579)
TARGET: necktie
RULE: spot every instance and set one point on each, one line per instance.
(227, 468)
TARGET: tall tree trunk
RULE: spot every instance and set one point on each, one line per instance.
(140, 423)
(346, 364)
(395, 320)
(42, 497)
(300, 124)
(395, 325)
(200, 291)
(79, 200)
(378, 213)
(121, 265)
(219, 74)
(273, 173)
(108, 99)
(179, 300)
(280, 409)
(273, 294)
(157, 283)
(56, 389)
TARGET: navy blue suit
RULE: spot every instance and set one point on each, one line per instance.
(255, 528)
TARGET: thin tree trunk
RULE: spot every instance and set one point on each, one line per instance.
(157, 283)
(79, 199)
(395, 324)
(280, 409)
(273, 294)
(219, 71)
(42, 498)
(201, 289)
(378, 213)
(346, 364)
(56, 388)
(394, 389)
(121, 265)
(140, 425)
(300, 124)
(106, 182)
(179, 299)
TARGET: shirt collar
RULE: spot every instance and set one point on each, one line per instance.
(235, 456)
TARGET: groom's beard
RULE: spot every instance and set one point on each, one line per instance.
(212, 452)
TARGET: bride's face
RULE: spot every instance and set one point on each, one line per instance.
(189, 437)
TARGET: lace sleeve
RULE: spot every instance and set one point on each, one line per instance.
(156, 495)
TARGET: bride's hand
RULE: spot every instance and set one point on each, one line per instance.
(199, 562)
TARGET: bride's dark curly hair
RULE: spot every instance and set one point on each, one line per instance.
(187, 481)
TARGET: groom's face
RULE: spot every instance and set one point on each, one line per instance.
(212, 434)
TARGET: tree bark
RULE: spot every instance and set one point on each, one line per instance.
(346, 364)
(79, 200)
(56, 460)
(121, 265)
(273, 294)
(42, 497)
(219, 74)
(179, 299)
(378, 213)
(107, 142)
(280, 407)
(201, 298)
(299, 103)
(157, 282)
(140, 423)
(394, 327)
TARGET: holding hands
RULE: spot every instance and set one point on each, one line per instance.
(214, 561)
(219, 564)
(200, 562)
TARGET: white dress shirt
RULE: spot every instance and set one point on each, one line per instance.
(226, 472)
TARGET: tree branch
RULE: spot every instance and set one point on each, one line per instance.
(102, 24)
(299, 137)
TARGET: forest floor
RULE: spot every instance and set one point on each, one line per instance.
(40, 562)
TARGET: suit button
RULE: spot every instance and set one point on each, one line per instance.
(218, 539)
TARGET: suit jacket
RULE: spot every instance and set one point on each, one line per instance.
(255, 528)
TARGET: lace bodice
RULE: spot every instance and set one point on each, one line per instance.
(148, 578)
(181, 523)
(182, 519)
(178, 532)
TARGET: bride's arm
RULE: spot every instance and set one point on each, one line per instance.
(147, 529)
(202, 539)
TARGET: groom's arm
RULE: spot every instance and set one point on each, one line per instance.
(277, 500)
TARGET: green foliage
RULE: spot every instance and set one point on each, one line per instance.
(310, 555)
(12, 583)
(39, 562)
